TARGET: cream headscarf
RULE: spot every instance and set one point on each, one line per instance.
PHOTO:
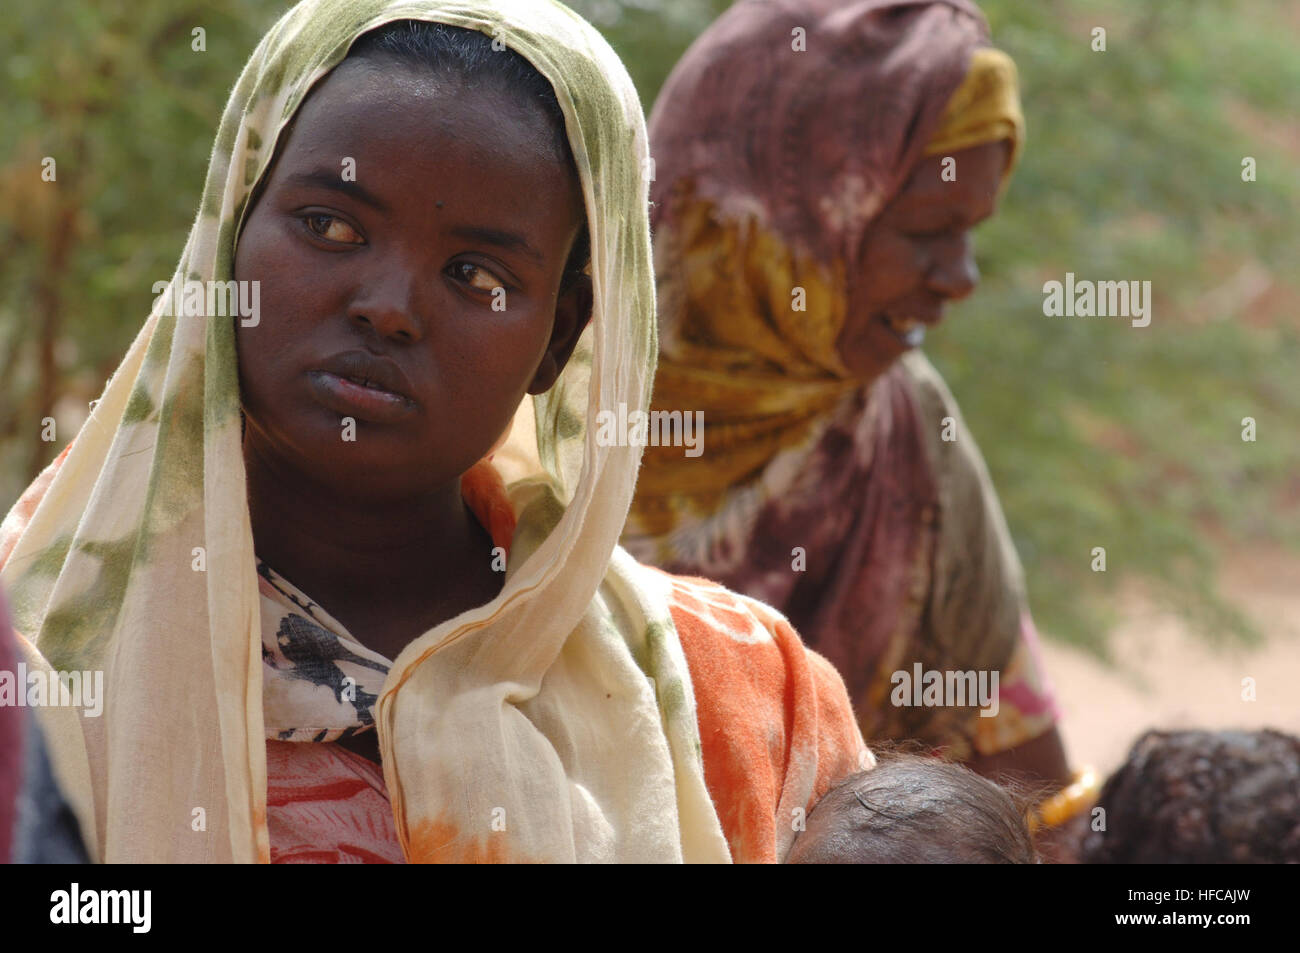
(533, 711)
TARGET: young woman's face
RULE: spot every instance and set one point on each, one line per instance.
(410, 244)
(917, 256)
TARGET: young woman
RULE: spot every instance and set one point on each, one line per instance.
(349, 563)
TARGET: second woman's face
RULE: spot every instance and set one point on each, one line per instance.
(410, 243)
(917, 256)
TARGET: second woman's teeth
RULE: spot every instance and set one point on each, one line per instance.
(902, 325)
(911, 331)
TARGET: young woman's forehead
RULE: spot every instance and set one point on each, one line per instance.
(414, 101)
(402, 128)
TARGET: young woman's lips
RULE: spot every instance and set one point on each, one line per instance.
(352, 398)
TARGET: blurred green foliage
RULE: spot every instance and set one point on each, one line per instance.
(116, 94)
(1097, 433)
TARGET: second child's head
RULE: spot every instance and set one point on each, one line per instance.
(1201, 797)
(419, 240)
(915, 810)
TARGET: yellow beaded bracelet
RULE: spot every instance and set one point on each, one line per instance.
(1066, 803)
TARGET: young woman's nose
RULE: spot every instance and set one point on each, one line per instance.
(953, 273)
(392, 305)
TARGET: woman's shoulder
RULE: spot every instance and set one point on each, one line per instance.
(955, 455)
(978, 590)
(927, 380)
(935, 401)
(741, 637)
(777, 729)
(715, 622)
(712, 611)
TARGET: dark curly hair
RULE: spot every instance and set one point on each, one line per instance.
(1202, 797)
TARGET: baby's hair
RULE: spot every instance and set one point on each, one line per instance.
(912, 809)
(469, 54)
(1201, 797)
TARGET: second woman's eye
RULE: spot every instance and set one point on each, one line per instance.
(333, 229)
(478, 278)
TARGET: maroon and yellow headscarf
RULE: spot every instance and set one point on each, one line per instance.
(779, 137)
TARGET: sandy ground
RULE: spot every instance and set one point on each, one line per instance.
(1167, 678)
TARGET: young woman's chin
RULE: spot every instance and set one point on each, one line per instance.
(376, 467)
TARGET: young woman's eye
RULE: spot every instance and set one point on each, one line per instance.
(333, 229)
(478, 278)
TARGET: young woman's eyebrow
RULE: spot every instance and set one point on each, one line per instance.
(501, 239)
(331, 180)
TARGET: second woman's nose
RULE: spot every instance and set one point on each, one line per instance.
(953, 273)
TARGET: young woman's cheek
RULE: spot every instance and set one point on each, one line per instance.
(271, 353)
(502, 351)
(298, 290)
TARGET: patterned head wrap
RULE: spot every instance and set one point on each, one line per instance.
(985, 108)
(782, 133)
(778, 139)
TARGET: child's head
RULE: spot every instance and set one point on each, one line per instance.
(1201, 797)
(915, 810)
(419, 239)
